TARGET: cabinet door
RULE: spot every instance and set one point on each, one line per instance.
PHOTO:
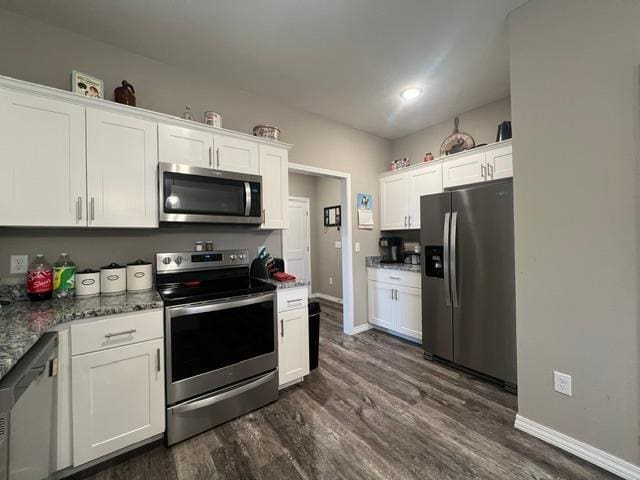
(42, 161)
(382, 305)
(293, 348)
(468, 168)
(118, 398)
(500, 163)
(236, 155)
(186, 146)
(423, 181)
(394, 207)
(409, 320)
(122, 164)
(274, 168)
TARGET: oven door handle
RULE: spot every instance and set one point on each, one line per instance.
(247, 198)
(223, 305)
(217, 398)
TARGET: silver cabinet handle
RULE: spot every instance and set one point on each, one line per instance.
(79, 209)
(392, 294)
(158, 359)
(405, 221)
(483, 172)
(117, 334)
(490, 170)
(454, 281)
(445, 254)
(409, 220)
(395, 294)
(394, 278)
(282, 328)
(217, 157)
(293, 301)
(92, 206)
(211, 156)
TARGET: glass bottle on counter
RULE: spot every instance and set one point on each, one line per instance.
(39, 279)
(64, 277)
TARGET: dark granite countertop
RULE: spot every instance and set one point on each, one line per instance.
(292, 284)
(374, 262)
(23, 322)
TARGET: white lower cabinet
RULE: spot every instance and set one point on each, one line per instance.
(117, 395)
(293, 335)
(395, 302)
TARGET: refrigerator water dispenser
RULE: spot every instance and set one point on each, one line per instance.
(434, 261)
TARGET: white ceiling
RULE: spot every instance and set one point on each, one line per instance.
(347, 60)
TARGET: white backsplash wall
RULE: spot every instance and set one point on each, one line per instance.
(94, 248)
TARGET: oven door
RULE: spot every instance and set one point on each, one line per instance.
(205, 195)
(212, 345)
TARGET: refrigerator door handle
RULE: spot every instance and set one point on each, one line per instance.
(454, 280)
(445, 244)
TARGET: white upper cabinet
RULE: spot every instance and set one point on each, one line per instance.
(186, 146)
(236, 155)
(500, 163)
(122, 164)
(274, 169)
(394, 210)
(42, 161)
(422, 181)
(464, 170)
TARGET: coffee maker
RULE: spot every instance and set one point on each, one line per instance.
(391, 250)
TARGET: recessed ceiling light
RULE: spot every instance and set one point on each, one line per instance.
(411, 93)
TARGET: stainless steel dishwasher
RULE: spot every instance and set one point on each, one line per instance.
(27, 413)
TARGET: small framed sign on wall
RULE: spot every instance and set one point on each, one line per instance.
(332, 216)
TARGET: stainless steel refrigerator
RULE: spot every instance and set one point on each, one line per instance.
(468, 284)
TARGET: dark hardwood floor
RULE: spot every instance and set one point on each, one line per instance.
(374, 409)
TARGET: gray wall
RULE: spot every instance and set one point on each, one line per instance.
(326, 259)
(575, 101)
(481, 123)
(45, 54)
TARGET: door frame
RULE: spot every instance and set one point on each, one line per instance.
(307, 201)
(346, 237)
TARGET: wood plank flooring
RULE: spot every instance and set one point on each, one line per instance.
(374, 409)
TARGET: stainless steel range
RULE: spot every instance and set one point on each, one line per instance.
(221, 339)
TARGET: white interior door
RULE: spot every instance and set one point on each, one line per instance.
(296, 247)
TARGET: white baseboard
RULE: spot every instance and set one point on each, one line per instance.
(605, 460)
(329, 298)
(361, 328)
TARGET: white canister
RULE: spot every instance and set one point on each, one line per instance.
(213, 118)
(139, 276)
(87, 282)
(113, 279)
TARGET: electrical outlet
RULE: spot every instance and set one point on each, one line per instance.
(19, 263)
(338, 244)
(357, 246)
(562, 383)
(330, 280)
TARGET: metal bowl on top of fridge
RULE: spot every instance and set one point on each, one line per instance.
(267, 131)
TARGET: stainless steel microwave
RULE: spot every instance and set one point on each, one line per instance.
(206, 195)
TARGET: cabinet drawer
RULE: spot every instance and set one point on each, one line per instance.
(292, 298)
(116, 331)
(394, 277)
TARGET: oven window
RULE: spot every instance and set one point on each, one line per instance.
(208, 341)
(203, 195)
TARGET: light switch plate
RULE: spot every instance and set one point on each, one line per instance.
(19, 263)
(357, 246)
(338, 244)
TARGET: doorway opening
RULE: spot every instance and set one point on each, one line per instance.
(306, 218)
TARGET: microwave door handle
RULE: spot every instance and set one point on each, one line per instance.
(247, 193)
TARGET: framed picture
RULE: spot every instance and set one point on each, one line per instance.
(332, 216)
(86, 85)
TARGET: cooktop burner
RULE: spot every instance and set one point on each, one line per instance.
(190, 277)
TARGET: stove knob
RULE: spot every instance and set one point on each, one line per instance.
(242, 256)
(232, 256)
(179, 260)
(166, 260)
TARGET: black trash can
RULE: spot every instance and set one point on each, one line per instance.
(314, 334)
